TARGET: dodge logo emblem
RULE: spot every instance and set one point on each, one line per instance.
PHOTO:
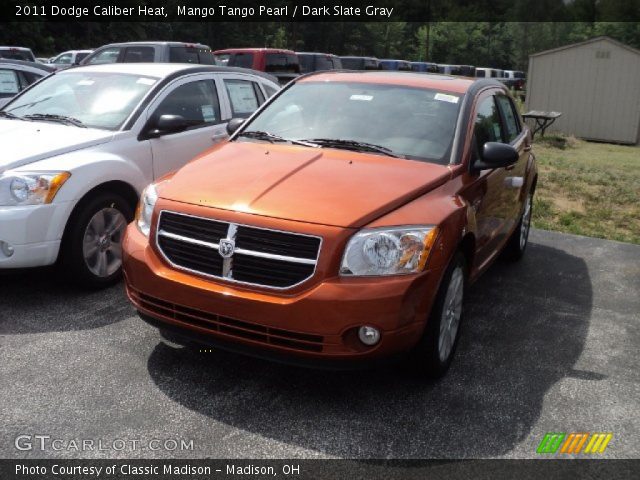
(226, 248)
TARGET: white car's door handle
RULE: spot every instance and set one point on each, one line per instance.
(218, 136)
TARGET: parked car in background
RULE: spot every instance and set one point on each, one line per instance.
(515, 79)
(141, 52)
(458, 70)
(392, 64)
(425, 67)
(69, 58)
(360, 63)
(283, 64)
(313, 62)
(16, 75)
(17, 53)
(341, 224)
(79, 146)
(486, 72)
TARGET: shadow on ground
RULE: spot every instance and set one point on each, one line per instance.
(38, 300)
(526, 326)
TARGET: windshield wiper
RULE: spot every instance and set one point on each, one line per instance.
(353, 145)
(56, 118)
(272, 137)
(10, 115)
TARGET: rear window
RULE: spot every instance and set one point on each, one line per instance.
(191, 55)
(81, 56)
(282, 62)
(15, 54)
(244, 60)
(518, 74)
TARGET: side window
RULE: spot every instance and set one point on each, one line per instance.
(63, 59)
(487, 124)
(138, 54)
(108, 55)
(242, 96)
(269, 89)
(196, 101)
(9, 83)
(510, 119)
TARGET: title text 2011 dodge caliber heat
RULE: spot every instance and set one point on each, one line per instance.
(341, 223)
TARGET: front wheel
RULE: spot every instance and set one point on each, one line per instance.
(517, 243)
(92, 246)
(433, 355)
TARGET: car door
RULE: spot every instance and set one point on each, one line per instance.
(488, 194)
(517, 137)
(197, 99)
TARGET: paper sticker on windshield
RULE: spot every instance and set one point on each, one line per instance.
(86, 82)
(362, 98)
(446, 98)
(146, 81)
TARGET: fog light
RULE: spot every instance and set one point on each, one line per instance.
(369, 335)
(7, 249)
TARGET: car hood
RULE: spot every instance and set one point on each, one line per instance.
(27, 142)
(325, 186)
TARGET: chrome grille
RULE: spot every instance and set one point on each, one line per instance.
(260, 256)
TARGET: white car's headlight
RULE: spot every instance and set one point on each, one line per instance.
(30, 188)
(388, 251)
(145, 209)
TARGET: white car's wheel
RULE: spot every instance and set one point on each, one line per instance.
(92, 245)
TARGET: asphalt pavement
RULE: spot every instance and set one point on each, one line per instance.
(550, 344)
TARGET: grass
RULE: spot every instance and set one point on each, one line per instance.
(588, 188)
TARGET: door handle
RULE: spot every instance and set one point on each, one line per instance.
(218, 136)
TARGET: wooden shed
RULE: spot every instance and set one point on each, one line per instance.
(596, 86)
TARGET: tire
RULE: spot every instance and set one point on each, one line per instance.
(435, 351)
(91, 251)
(517, 243)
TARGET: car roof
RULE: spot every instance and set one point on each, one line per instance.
(154, 42)
(447, 83)
(161, 70)
(5, 47)
(23, 63)
(356, 57)
(267, 50)
(316, 53)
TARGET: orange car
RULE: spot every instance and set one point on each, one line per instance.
(341, 223)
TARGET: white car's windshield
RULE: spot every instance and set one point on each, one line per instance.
(413, 123)
(97, 100)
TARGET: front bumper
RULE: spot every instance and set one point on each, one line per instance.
(318, 321)
(34, 232)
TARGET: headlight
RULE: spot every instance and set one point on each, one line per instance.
(145, 209)
(30, 188)
(388, 251)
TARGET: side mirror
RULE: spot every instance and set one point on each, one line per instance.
(167, 124)
(496, 155)
(234, 124)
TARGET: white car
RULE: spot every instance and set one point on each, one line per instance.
(69, 58)
(79, 147)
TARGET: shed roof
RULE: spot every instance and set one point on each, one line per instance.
(591, 40)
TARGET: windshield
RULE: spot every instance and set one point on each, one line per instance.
(98, 100)
(412, 123)
(282, 62)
